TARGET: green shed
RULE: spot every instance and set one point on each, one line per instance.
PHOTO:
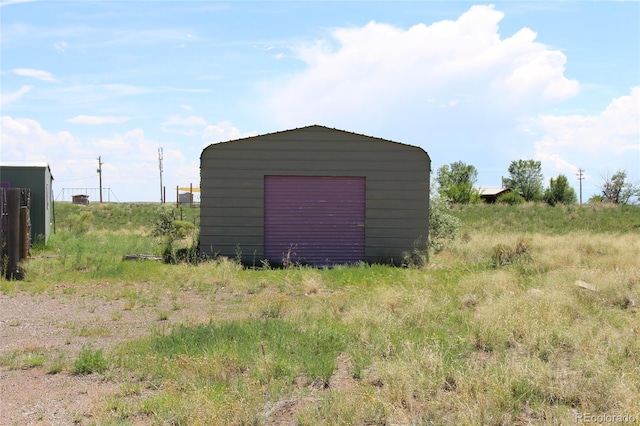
(38, 179)
(314, 195)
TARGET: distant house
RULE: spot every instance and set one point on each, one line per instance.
(80, 199)
(38, 179)
(314, 195)
(185, 198)
(491, 195)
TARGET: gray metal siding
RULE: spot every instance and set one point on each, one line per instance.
(232, 187)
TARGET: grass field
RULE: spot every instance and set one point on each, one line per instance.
(493, 330)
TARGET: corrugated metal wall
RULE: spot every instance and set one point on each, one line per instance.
(38, 180)
(232, 188)
(316, 220)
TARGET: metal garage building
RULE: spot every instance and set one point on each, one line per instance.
(314, 195)
(38, 179)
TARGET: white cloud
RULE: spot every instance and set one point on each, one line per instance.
(126, 89)
(8, 98)
(61, 46)
(10, 2)
(186, 126)
(223, 131)
(133, 142)
(39, 74)
(212, 133)
(81, 95)
(130, 160)
(94, 120)
(144, 37)
(380, 69)
(178, 120)
(25, 140)
(610, 139)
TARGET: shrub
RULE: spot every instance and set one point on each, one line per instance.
(443, 227)
(164, 225)
(511, 198)
(183, 228)
(80, 223)
(190, 254)
(169, 231)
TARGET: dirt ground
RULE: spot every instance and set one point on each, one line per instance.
(61, 326)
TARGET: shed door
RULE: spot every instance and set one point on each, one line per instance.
(316, 220)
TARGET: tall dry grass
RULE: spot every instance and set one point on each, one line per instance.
(493, 330)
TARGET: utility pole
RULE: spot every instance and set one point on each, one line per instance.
(100, 174)
(160, 164)
(580, 175)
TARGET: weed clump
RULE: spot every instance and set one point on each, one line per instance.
(503, 255)
(90, 361)
(80, 223)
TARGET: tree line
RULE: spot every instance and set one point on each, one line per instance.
(456, 182)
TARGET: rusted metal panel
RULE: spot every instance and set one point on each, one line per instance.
(314, 220)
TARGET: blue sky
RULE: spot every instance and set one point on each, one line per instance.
(482, 83)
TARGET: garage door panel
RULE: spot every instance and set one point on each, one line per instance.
(317, 220)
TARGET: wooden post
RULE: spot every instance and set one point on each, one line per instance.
(191, 195)
(177, 196)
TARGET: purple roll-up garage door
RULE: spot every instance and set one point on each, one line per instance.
(315, 220)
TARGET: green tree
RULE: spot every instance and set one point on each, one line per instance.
(525, 177)
(559, 192)
(616, 189)
(455, 182)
